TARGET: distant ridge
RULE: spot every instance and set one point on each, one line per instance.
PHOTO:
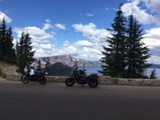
(66, 60)
(70, 61)
(155, 66)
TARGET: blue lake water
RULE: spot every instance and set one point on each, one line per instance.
(95, 70)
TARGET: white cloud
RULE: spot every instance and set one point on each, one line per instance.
(90, 54)
(142, 14)
(46, 46)
(91, 32)
(87, 14)
(66, 43)
(152, 38)
(153, 5)
(153, 33)
(41, 53)
(37, 34)
(60, 26)
(90, 15)
(47, 26)
(7, 19)
(70, 50)
(83, 49)
(48, 21)
(154, 59)
(111, 9)
(84, 43)
(107, 9)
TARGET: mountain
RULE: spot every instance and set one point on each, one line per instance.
(70, 61)
(66, 60)
(155, 66)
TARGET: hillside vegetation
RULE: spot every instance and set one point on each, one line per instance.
(6, 69)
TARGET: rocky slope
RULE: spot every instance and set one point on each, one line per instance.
(6, 69)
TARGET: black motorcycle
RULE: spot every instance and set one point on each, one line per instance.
(39, 76)
(81, 78)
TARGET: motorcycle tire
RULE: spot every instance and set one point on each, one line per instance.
(93, 83)
(70, 82)
(24, 79)
(42, 80)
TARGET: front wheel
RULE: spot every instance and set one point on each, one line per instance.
(24, 79)
(70, 82)
(93, 83)
(42, 80)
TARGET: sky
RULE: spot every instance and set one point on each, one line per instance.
(78, 27)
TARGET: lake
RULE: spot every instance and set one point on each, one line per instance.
(90, 70)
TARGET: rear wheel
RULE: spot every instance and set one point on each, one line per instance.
(70, 82)
(93, 83)
(24, 79)
(42, 80)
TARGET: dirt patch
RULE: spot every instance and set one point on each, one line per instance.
(7, 69)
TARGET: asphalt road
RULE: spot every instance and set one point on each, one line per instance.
(55, 101)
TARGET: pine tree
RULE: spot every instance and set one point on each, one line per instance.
(39, 65)
(153, 74)
(114, 60)
(137, 51)
(24, 52)
(47, 65)
(10, 56)
(7, 52)
(2, 39)
(1, 44)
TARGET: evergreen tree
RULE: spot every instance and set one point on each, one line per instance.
(3, 39)
(7, 52)
(39, 65)
(153, 74)
(137, 51)
(114, 60)
(24, 52)
(47, 65)
(1, 44)
(10, 56)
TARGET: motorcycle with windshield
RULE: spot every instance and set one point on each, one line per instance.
(37, 76)
(82, 78)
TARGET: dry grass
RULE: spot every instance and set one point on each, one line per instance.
(7, 69)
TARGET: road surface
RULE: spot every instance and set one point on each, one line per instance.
(55, 101)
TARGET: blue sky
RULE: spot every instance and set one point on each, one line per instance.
(78, 27)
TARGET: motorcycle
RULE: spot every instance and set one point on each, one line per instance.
(38, 76)
(82, 78)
